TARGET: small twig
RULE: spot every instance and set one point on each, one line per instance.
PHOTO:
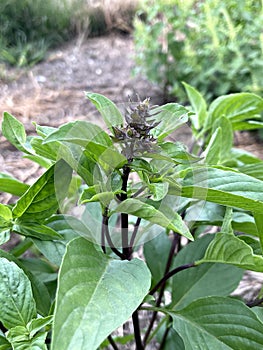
(102, 239)
(108, 237)
(137, 331)
(255, 302)
(124, 216)
(159, 300)
(112, 343)
(133, 237)
(164, 338)
(169, 275)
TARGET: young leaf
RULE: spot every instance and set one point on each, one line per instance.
(228, 249)
(5, 215)
(218, 323)
(248, 125)
(41, 199)
(204, 280)
(227, 135)
(80, 132)
(108, 110)
(49, 151)
(37, 324)
(14, 131)
(236, 107)
(198, 104)
(171, 116)
(21, 340)
(31, 229)
(11, 185)
(212, 152)
(224, 187)
(17, 304)
(96, 295)
(259, 225)
(148, 212)
(254, 170)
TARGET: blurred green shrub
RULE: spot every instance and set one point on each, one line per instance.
(29, 27)
(214, 45)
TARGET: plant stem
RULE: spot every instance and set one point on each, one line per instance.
(159, 300)
(167, 330)
(104, 220)
(108, 237)
(124, 216)
(133, 237)
(137, 332)
(112, 343)
(171, 274)
(21, 248)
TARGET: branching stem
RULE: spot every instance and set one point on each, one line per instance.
(159, 300)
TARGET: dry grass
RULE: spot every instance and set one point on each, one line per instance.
(93, 17)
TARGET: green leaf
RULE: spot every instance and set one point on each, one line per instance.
(41, 269)
(103, 197)
(204, 280)
(21, 340)
(17, 304)
(80, 132)
(109, 157)
(31, 229)
(198, 104)
(212, 152)
(14, 131)
(178, 152)
(224, 187)
(49, 151)
(42, 198)
(207, 213)
(236, 107)
(156, 253)
(148, 212)
(173, 340)
(52, 250)
(218, 323)
(248, 125)
(68, 226)
(254, 170)
(11, 185)
(171, 117)
(227, 136)
(96, 295)
(108, 110)
(259, 225)
(40, 291)
(44, 163)
(228, 249)
(4, 343)
(159, 190)
(5, 215)
(37, 324)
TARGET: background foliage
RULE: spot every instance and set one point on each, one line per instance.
(29, 27)
(216, 46)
